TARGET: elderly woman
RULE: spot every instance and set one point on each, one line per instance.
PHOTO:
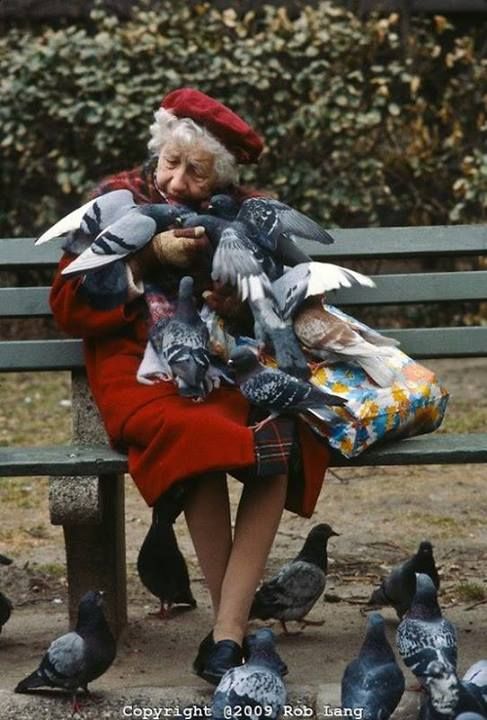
(172, 442)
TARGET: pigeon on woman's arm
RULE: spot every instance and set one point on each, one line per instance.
(78, 657)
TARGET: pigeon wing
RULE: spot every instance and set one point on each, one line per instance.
(64, 663)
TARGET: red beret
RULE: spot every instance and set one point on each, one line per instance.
(223, 123)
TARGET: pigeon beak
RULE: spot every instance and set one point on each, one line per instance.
(334, 533)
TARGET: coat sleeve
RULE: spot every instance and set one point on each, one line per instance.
(77, 317)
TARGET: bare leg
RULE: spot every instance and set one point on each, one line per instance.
(257, 521)
(207, 512)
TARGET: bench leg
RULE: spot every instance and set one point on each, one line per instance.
(95, 556)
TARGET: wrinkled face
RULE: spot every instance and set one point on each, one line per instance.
(186, 173)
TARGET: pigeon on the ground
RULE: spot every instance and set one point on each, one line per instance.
(447, 696)
(161, 564)
(276, 391)
(253, 690)
(332, 337)
(78, 657)
(424, 634)
(125, 235)
(181, 343)
(373, 681)
(311, 279)
(92, 217)
(294, 590)
(4, 560)
(398, 587)
(6, 608)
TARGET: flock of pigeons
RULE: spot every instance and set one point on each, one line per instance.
(253, 248)
(372, 683)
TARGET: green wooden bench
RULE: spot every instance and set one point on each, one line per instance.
(86, 492)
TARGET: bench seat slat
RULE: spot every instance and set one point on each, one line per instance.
(351, 242)
(436, 448)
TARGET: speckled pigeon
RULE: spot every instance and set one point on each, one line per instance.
(373, 680)
(331, 336)
(311, 279)
(424, 634)
(447, 696)
(92, 217)
(274, 390)
(294, 590)
(398, 587)
(254, 690)
(160, 563)
(181, 343)
(77, 658)
(127, 234)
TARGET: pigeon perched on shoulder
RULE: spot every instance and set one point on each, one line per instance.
(182, 345)
(424, 634)
(161, 564)
(276, 391)
(294, 590)
(78, 657)
(398, 588)
(373, 680)
(127, 234)
(331, 337)
(311, 279)
(92, 217)
(447, 696)
(255, 689)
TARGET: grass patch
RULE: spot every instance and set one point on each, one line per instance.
(465, 419)
(470, 592)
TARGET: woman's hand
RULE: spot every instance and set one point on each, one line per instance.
(179, 247)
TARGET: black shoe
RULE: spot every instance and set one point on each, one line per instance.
(224, 655)
(206, 646)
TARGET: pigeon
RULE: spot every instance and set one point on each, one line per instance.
(6, 608)
(4, 560)
(92, 217)
(275, 390)
(311, 279)
(424, 634)
(447, 696)
(253, 690)
(160, 563)
(182, 345)
(373, 681)
(398, 588)
(292, 592)
(127, 234)
(77, 658)
(333, 337)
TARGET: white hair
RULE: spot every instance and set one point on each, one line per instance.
(185, 131)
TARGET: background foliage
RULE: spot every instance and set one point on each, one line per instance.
(360, 130)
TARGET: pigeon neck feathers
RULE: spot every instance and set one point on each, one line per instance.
(425, 602)
(376, 645)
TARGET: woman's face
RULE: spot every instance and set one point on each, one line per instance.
(186, 174)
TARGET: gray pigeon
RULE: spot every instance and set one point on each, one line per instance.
(77, 658)
(332, 336)
(161, 564)
(311, 279)
(398, 588)
(277, 391)
(373, 681)
(92, 217)
(424, 634)
(125, 235)
(253, 690)
(181, 343)
(447, 696)
(295, 589)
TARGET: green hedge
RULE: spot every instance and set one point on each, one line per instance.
(359, 130)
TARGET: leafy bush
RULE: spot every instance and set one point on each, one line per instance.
(359, 130)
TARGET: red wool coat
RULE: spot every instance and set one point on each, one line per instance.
(167, 438)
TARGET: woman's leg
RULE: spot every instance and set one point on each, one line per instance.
(258, 516)
(207, 512)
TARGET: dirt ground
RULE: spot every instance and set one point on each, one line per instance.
(381, 514)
